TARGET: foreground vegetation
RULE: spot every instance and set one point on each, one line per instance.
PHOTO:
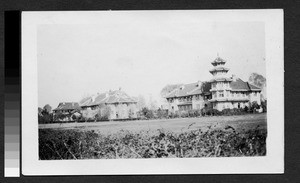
(75, 144)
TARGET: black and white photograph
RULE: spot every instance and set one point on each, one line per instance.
(151, 87)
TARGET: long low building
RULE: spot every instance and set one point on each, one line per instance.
(221, 92)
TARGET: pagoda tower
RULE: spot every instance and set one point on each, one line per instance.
(220, 84)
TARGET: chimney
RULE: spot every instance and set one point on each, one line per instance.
(93, 98)
(199, 83)
(233, 77)
(120, 88)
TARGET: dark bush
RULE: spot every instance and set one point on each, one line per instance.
(264, 105)
(234, 111)
(147, 113)
(253, 107)
(45, 118)
(73, 144)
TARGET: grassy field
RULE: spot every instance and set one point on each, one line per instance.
(224, 136)
(241, 122)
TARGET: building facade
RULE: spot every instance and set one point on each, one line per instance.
(117, 103)
(189, 96)
(230, 92)
(68, 110)
(221, 92)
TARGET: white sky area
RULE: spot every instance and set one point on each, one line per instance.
(141, 53)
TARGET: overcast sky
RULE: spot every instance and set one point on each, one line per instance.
(141, 54)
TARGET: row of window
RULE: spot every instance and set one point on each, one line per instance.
(189, 99)
(220, 85)
(232, 94)
(185, 107)
(224, 106)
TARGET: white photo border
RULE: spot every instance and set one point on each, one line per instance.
(273, 162)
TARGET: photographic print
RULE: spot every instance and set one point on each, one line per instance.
(150, 85)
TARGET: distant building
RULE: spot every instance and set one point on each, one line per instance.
(219, 93)
(230, 92)
(189, 96)
(68, 109)
(121, 105)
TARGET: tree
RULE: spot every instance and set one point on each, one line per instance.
(264, 105)
(260, 81)
(40, 110)
(147, 113)
(47, 109)
(103, 113)
(257, 80)
(168, 88)
(89, 114)
(254, 106)
(141, 102)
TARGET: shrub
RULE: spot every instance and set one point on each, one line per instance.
(73, 144)
(264, 105)
(162, 114)
(253, 107)
(147, 113)
(89, 114)
(194, 113)
(234, 111)
(103, 113)
(45, 118)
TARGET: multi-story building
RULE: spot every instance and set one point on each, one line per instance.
(220, 93)
(120, 105)
(230, 92)
(189, 96)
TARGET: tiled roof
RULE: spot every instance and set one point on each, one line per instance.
(239, 84)
(67, 106)
(218, 60)
(110, 97)
(219, 69)
(252, 87)
(189, 89)
(220, 79)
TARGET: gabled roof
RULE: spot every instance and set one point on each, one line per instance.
(67, 106)
(189, 89)
(252, 87)
(240, 85)
(110, 97)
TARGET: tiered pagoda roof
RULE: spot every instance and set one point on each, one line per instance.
(218, 61)
(218, 69)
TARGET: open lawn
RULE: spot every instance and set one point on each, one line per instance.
(169, 138)
(178, 125)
